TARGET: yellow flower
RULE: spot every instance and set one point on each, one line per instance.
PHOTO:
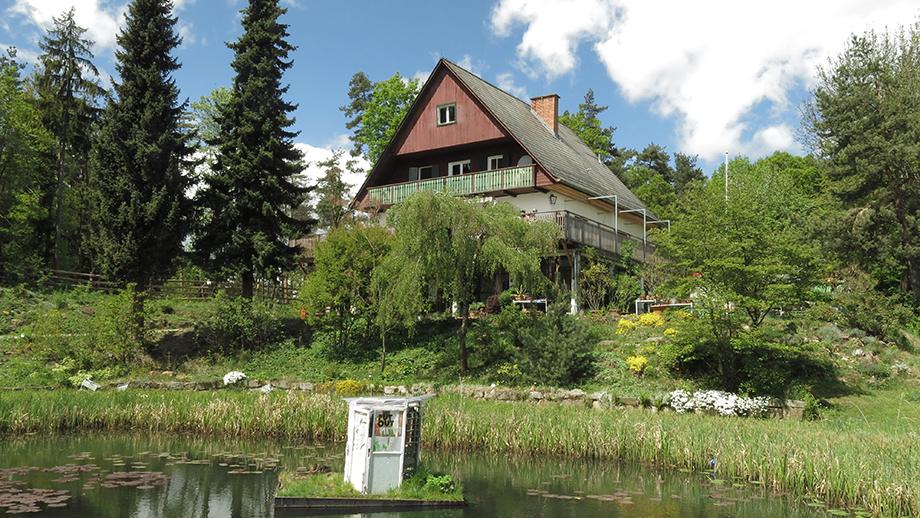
(637, 363)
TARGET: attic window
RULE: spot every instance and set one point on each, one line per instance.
(447, 114)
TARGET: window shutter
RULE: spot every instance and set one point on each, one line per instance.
(506, 160)
(413, 174)
(484, 163)
(434, 171)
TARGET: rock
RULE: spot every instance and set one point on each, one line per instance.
(858, 352)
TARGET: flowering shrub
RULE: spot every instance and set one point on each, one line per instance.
(233, 377)
(626, 325)
(651, 320)
(722, 402)
(637, 363)
(349, 387)
(670, 332)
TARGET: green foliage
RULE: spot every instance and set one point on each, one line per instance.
(749, 250)
(239, 324)
(861, 306)
(360, 90)
(450, 243)
(864, 117)
(110, 335)
(26, 155)
(246, 200)
(751, 362)
(342, 281)
(68, 88)
(331, 193)
(586, 124)
(557, 348)
(383, 112)
(140, 209)
(596, 281)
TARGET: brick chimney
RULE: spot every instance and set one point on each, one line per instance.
(547, 107)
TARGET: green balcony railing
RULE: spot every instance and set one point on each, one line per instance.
(464, 184)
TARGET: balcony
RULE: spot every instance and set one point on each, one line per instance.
(464, 184)
(586, 232)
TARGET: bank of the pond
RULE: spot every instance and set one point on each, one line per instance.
(872, 465)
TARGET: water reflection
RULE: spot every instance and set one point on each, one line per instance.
(213, 477)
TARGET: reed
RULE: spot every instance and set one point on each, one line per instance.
(873, 465)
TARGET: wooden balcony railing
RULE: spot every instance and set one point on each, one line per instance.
(471, 183)
(584, 231)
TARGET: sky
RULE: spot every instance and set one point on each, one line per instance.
(701, 77)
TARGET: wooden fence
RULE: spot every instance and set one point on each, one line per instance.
(186, 289)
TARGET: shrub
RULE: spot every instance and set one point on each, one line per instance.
(349, 387)
(558, 348)
(239, 324)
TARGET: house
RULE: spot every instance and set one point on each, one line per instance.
(465, 136)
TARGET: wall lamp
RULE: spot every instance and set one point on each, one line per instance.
(552, 199)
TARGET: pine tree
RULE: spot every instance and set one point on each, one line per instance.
(247, 198)
(67, 100)
(141, 154)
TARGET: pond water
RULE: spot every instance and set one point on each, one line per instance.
(142, 476)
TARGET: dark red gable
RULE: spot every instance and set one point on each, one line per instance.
(473, 125)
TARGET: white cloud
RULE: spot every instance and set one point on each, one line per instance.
(708, 64)
(506, 83)
(101, 22)
(314, 155)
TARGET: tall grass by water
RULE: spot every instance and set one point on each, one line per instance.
(874, 465)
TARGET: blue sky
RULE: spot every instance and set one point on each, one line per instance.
(701, 77)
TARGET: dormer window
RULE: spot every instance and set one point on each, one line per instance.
(447, 114)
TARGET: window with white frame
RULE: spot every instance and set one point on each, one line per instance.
(447, 114)
(495, 162)
(461, 167)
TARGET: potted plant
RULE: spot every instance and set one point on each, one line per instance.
(519, 292)
(476, 308)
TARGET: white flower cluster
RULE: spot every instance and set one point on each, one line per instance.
(722, 402)
(233, 377)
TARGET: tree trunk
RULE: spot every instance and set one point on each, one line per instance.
(464, 308)
(60, 208)
(247, 284)
(383, 357)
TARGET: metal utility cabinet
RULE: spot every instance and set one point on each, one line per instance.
(383, 441)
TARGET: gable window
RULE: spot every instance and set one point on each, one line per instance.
(461, 167)
(447, 114)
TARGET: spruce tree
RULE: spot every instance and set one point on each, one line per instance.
(141, 154)
(68, 87)
(250, 192)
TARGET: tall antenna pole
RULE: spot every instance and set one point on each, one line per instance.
(726, 176)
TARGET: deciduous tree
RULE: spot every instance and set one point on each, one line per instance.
(383, 113)
(451, 243)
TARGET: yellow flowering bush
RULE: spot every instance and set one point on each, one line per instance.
(651, 320)
(637, 363)
(626, 325)
(349, 387)
(670, 332)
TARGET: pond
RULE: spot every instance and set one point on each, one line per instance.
(143, 476)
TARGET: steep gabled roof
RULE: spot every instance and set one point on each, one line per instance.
(564, 156)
